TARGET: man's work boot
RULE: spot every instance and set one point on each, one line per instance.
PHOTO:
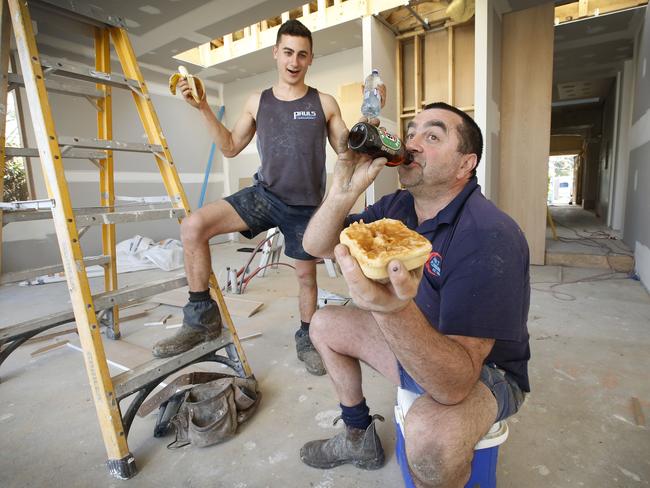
(308, 354)
(201, 323)
(362, 448)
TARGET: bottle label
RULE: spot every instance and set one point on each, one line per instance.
(389, 140)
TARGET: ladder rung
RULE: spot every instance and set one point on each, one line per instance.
(61, 68)
(11, 215)
(24, 216)
(129, 216)
(131, 381)
(87, 13)
(79, 142)
(47, 270)
(101, 301)
(145, 200)
(131, 294)
(55, 86)
(72, 153)
(28, 204)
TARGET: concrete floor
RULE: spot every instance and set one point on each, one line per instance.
(589, 340)
(581, 232)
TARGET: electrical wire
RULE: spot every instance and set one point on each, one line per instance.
(589, 240)
(567, 297)
(260, 268)
(242, 271)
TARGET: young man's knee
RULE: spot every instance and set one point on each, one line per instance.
(306, 276)
(193, 229)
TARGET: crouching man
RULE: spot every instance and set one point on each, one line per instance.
(454, 332)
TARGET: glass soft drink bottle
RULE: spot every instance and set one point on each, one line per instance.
(378, 142)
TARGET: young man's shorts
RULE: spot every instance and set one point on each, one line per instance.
(261, 210)
(503, 386)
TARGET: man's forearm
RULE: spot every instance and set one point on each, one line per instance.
(220, 135)
(439, 364)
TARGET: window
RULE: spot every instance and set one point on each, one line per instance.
(16, 178)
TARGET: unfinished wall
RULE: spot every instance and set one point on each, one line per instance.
(487, 92)
(526, 76)
(327, 73)
(436, 66)
(637, 230)
(32, 244)
(379, 48)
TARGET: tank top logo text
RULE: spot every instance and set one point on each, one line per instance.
(304, 115)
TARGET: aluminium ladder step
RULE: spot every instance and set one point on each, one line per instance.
(101, 301)
(86, 148)
(131, 381)
(56, 86)
(84, 12)
(54, 66)
(129, 216)
(105, 144)
(32, 152)
(99, 216)
(47, 270)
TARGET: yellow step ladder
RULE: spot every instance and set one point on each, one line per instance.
(87, 310)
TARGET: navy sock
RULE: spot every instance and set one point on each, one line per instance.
(357, 416)
(200, 296)
(304, 326)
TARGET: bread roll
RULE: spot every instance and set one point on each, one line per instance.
(374, 245)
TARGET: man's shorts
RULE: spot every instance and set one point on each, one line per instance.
(261, 210)
(505, 389)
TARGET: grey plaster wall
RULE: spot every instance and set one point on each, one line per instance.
(637, 216)
(606, 158)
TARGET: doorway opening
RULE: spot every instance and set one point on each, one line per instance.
(561, 181)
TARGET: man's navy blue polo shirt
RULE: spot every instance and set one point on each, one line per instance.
(476, 280)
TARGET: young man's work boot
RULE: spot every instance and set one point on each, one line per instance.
(359, 447)
(308, 354)
(201, 323)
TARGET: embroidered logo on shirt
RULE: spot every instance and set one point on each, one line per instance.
(304, 115)
(434, 264)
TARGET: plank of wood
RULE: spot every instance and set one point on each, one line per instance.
(639, 417)
(124, 356)
(239, 307)
(161, 321)
(526, 121)
(51, 335)
(48, 348)
(251, 336)
(142, 310)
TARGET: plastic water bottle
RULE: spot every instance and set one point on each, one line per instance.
(371, 105)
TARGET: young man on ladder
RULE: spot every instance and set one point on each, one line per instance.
(291, 120)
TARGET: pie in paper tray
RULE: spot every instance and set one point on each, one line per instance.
(376, 244)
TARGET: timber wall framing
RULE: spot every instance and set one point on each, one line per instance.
(526, 82)
(435, 66)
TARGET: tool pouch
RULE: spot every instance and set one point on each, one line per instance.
(211, 412)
